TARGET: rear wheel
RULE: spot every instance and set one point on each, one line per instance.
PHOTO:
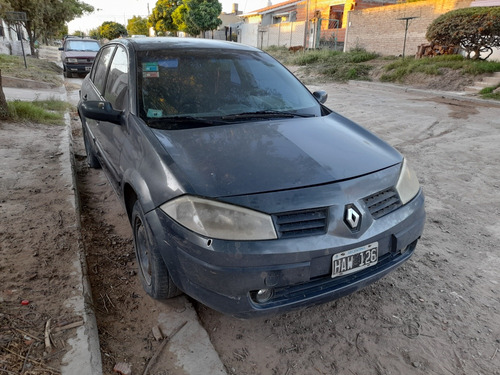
(153, 272)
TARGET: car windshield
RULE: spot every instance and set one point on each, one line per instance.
(212, 84)
(82, 45)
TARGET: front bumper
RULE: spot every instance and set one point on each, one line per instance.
(78, 68)
(225, 275)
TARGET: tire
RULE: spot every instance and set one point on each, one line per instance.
(65, 73)
(153, 272)
(92, 160)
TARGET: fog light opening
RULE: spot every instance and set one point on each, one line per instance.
(264, 295)
(410, 247)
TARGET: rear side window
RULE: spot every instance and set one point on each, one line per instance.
(101, 68)
(117, 82)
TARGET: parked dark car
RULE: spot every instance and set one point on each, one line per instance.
(78, 55)
(243, 190)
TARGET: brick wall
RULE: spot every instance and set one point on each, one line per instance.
(379, 30)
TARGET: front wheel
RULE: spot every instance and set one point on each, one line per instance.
(153, 272)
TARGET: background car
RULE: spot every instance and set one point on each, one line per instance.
(242, 189)
(78, 55)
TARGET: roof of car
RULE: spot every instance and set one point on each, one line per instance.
(153, 43)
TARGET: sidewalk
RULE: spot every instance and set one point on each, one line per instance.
(191, 346)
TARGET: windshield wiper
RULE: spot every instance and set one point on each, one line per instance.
(183, 122)
(265, 114)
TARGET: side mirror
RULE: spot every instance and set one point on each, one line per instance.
(61, 49)
(320, 96)
(100, 111)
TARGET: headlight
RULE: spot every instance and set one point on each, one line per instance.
(72, 61)
(407, 186)
(220, 220)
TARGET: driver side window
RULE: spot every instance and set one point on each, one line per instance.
(117, 81)
(99, 77)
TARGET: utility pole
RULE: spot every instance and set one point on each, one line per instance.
(18, 18)
(306, 24)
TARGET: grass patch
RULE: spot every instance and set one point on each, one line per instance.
(281, 54)
(335, 65)
(38, 69)
(49, 112)
(345, 72)
(325, 56)
(398, 70)
(487, 93)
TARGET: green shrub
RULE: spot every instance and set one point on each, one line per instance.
(474, 29)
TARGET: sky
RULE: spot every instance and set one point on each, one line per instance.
(122, 10)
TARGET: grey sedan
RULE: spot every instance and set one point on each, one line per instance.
(242, 188)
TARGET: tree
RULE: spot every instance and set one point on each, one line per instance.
(94, 33)
(111, 30)
(46, 18)
(204, 14)
(161, 16)
(137, 26)
(196, 16)
(4, 108)
(476, 30)
(63, 31)
(179, 17)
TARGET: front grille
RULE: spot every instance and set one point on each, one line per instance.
(302, 223)
(383, 202)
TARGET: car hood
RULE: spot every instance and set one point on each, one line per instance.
(265, 156)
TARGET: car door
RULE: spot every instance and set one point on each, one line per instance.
(110, 84)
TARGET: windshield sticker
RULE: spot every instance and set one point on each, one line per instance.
(150, 74)
(150, 70)
(170, 63)
(150, 67)
(155, 113)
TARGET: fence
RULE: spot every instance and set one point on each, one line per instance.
(328, 35)
(229, 34)
(289, 34)
(322, 33)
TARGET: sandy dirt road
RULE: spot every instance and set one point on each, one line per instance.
(438, 314)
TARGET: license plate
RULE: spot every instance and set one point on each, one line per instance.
(87, 68)
(354, 260)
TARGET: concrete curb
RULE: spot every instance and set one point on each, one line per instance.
(85, 357)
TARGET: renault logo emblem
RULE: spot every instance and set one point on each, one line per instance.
(352, 217)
